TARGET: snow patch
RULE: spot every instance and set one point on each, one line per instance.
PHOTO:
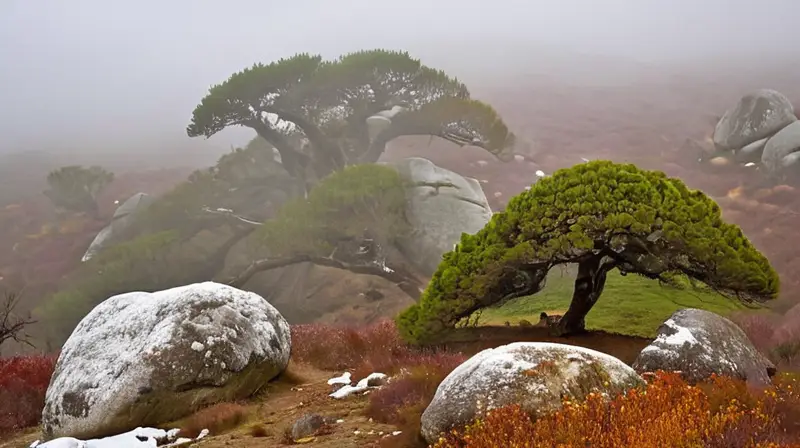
(139, 437)
(361, 386)
(343, 379)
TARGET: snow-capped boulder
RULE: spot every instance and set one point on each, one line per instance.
(441, 206)
(142, 359)
(757, 115)
(783, 149)
(699, 343)
(534, 375)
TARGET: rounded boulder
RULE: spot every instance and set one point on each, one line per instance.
(535, 375)
(141, 359)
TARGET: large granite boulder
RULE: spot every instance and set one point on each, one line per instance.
(757, 115)
(782, 151)
(535, 375)
(142, 359)
(441, 206)
(700, 343)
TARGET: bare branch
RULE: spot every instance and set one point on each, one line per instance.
(12, 326)
(407, 283)
(228, 212)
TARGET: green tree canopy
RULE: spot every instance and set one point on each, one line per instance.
(601, 216)
(75, 188)
(315, 112)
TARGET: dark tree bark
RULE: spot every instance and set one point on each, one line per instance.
(589, 284)
(292, 160)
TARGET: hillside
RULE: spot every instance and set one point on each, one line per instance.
(324, 316)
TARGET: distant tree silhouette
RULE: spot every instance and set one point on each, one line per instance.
(75, 188)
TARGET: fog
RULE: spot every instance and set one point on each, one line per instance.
(96, 75)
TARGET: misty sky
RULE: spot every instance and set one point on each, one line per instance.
(105, 74)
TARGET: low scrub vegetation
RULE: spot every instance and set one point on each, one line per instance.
(669, 412)
(23, 384)
(359, 350)
(217, 419)
(776, 337)
(719, 413)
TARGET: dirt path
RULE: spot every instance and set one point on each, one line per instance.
(283, 405)
(277, 409)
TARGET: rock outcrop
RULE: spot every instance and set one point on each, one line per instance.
(535, 375)
(782, 151)
(699, 343)
(441, 206)
(756, 116)
(123, 216)
(143, 359)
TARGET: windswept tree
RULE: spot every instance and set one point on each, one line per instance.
(75, 188)
(324, 115)
(601, 216)
(352, 221)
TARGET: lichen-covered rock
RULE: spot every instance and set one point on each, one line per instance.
(699, 343)
(535, 375)
(142, 359)
(441, 206)
(783, 149)
(757, 115)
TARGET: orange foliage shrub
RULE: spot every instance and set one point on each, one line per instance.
(669, 412)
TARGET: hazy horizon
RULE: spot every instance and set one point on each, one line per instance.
(99, 76)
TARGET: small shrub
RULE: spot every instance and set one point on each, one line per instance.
(337, 348)
(720, 413)
(23, 385)
(759, 328)
(218, 418)
(403, 400)
(259, 430)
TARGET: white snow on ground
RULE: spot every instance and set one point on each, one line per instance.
(362, 385)
(344, 379)
(129, 439)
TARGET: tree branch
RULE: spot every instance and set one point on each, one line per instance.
(331, 152)
(292, 160)
(408, 284)
(11, 326)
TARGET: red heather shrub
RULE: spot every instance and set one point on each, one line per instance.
(760, 328)
(777, 337)
(330, 347)
(23, 384)
(402, 401)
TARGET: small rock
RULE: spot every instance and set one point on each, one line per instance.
(309, 425)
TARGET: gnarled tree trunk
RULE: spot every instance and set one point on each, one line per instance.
(589, 284)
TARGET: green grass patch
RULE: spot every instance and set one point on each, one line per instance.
(630, 305)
